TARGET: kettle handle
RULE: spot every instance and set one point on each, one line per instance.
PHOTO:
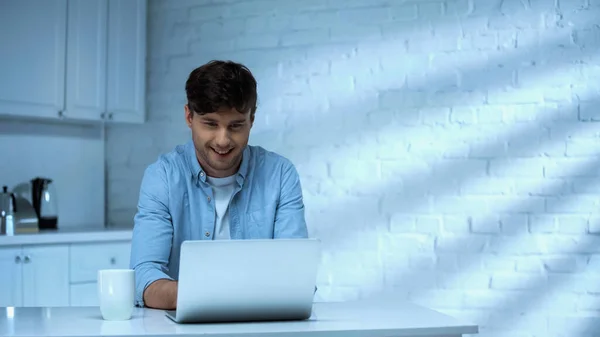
(14, 202)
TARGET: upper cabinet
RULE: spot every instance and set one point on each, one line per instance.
(73, 60)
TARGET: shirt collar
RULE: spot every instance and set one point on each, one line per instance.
(198, 172)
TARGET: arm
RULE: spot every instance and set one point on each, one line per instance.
(151, 242)
(289, 217)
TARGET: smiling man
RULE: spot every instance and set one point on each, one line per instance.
(214, 187)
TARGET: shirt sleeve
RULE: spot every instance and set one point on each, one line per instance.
(152, 231)
(289, 217)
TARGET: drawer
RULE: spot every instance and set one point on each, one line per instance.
(86, 259)
(84, 295)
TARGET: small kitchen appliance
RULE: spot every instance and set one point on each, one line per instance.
(43, 197)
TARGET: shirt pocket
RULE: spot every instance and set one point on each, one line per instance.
(261, 222)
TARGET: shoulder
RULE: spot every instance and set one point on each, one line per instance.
(263, 159)
(168, 163)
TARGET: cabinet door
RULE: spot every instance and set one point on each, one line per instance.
(84, 295)
(32, 57)
(126, 76)
(86, 59)
(10, 278)
(46, 276)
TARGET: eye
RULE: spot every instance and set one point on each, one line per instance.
(236, 126)
(210, 124)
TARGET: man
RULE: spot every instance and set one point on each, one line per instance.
(215, 187)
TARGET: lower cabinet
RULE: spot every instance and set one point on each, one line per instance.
(85, 260)
(57, 275)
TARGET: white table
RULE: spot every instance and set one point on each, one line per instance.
(371, 318)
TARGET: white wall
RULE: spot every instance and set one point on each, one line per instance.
(71, 155)
(448, 149)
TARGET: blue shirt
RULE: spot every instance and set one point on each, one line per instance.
(176, 204)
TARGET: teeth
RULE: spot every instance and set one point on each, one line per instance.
(221, 152)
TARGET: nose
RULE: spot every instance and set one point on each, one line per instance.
(222, 138)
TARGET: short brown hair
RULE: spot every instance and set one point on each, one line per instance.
(221, 84)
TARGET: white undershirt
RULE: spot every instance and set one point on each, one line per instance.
(222, 191)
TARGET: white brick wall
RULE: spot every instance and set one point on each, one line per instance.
(447, 148)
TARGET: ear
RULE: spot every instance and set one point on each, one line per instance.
(188, 116)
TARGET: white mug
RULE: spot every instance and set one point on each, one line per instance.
(116, 288)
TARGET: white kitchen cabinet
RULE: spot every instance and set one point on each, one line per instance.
(86, 259)
(11, 293)
(73, 60)
(35, 276)
(62, 274)
(32, 57)
(126, 78)
(45, 271)
(86, 59)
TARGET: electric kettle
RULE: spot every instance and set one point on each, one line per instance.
(43, 197)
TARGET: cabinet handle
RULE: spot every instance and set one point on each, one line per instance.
(110, 116)
(113, 260)
(26, 259)
(17, 259)
(102, 115)
(61, 114)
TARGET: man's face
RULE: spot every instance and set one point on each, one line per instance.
(219, 138)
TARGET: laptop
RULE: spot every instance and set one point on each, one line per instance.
(246, 280)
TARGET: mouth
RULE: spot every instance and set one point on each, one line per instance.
(222, 153)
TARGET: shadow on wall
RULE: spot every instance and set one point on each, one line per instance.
(478, 82)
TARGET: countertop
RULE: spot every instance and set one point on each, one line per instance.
(373, 318)
(68, 235)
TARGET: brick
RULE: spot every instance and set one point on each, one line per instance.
(455, 224)
(572, 224)
(513, 224)
(422, 261)
(498, 263)
(542, 224)
(517, 168)
(457, 205)
(485, 225)
(405, 12)
(513, 281)
(495, 77)
(413, 243)
(540, 187)
(430, 10)
(305, 37)
(572, 167)
(589, 302)
(563, 264)
(460, 244)
(439, 299)
(463, 115)
(458, 8)
(447, 262)
(428, 224)
(486, 186)
(401, 223)
(515, 96)
(406, 99)
(573, 204)
(209, 12)
(361, 16)
(587, 38)
(589, 111)
(257, 41)
(355, 33)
